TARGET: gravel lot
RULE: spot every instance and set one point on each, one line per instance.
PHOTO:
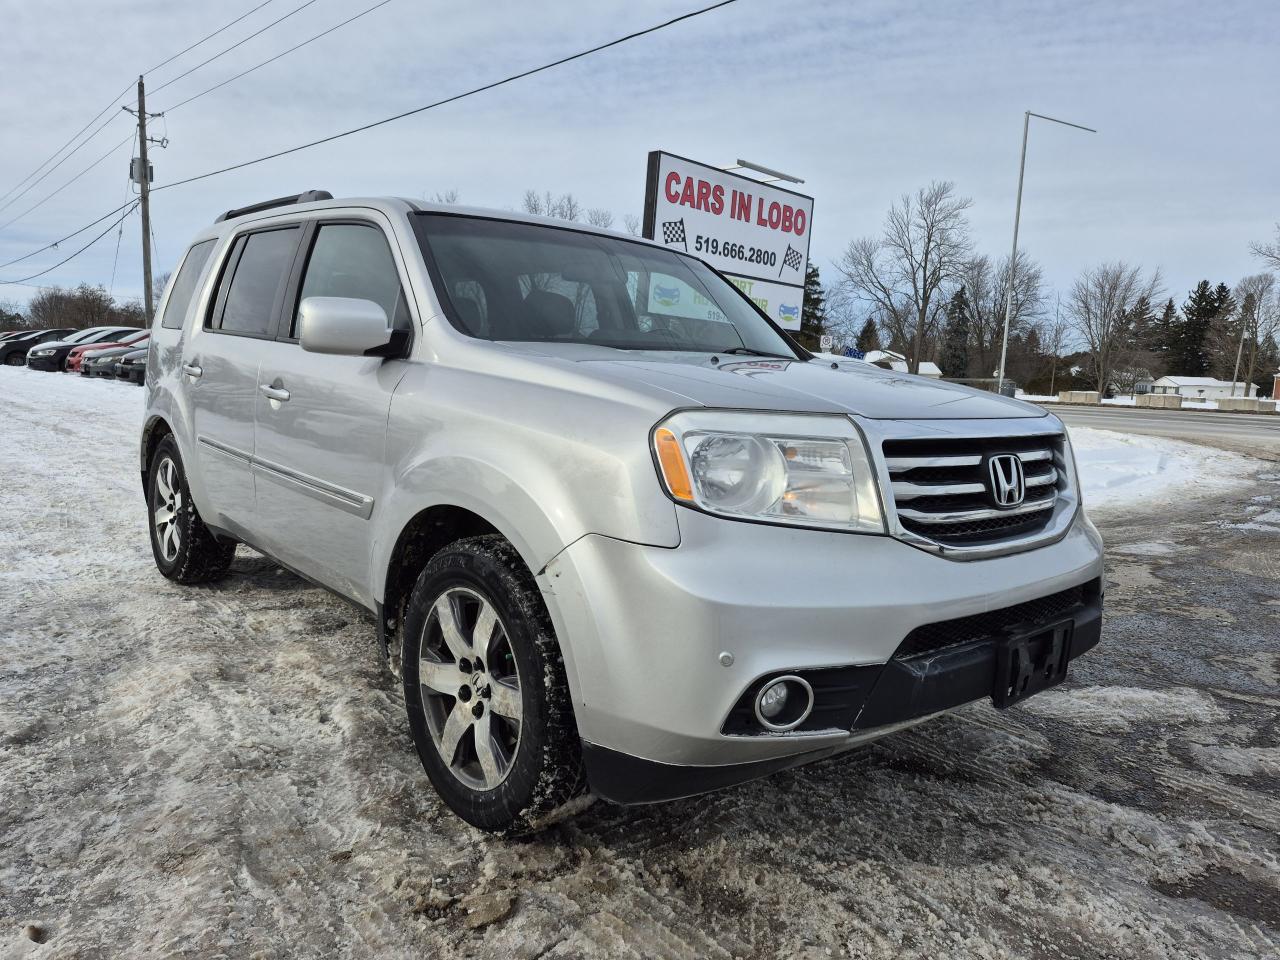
(226, 772)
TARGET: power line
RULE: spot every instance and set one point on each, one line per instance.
(54, 244)
(377, 123)
(74, 255)
(205, 63)
(453, 99)
(116, 259)
(116, 100)
(78, 147)
(183, 103)
(50, 196)
(225, 26)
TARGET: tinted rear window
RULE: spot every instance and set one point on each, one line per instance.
(258, 280)
(184, 285)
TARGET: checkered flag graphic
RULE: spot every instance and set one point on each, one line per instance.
(673, 232)
(792, 259)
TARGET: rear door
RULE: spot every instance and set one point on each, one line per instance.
(319, 460)
(220, 369)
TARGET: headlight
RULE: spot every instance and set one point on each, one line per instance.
(802, 470)
(42, 353)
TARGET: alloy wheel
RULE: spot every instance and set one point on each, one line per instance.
(166, 506)
(470, 688)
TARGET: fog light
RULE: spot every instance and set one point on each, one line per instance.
(773, 699)
(784, 703)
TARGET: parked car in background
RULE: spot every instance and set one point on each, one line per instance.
(13, 349)
(102, 363)
(77, 355)
(132, 367)
(53, 355)
(642, 550)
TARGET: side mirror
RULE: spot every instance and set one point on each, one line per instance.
(343, 325)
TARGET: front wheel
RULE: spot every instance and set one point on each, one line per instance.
(485, 689)
(185, 549)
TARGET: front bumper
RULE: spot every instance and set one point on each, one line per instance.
(645, 628)
(52, 363)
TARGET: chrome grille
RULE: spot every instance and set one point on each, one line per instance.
(941, 487)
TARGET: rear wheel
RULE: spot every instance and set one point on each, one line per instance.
(485, 689)
(185, 549)
(14, 360)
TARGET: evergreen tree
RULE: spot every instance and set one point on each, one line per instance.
(1164, 336)
(954, 359)
(1188, 356)
(1226, 303)
(868, 337)
(1267, 364)
(813, 315)
(1142, 325)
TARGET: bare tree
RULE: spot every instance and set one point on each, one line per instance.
(600, 217)
(443, 196)
(1100, 306)
(900, 275)
(1259, 318)
(632, 224)
(158, 283)
(1269, 253)
(987, 285)
(563, 207)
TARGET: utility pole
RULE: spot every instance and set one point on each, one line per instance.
(1017, 217)
(145, 193)
(140, 173)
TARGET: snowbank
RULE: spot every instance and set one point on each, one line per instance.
(1127, 470)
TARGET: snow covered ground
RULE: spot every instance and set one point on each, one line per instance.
(1123, 471)
(225, 772)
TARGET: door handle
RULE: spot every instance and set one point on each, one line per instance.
(274, 393)
(192, 369)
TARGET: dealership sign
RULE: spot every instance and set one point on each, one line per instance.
(756, 234)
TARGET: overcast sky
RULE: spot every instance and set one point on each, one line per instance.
(864, 100)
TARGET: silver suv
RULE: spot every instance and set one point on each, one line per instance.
(619, 532)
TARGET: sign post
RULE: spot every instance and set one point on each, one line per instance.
(756, 234)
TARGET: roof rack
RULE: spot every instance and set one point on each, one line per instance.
(306, 197)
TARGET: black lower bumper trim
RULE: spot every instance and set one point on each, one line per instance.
(622, 778)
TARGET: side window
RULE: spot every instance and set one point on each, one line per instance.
(353, 260)
(254, 287)
(184, 286)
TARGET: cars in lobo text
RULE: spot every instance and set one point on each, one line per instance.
(610, 544)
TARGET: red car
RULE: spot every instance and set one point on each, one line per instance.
(76, 357)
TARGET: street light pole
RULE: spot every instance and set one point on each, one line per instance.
(1017, 217)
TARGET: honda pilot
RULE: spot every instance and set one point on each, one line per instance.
(619, 533)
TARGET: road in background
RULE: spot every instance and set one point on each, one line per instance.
(1256, 434)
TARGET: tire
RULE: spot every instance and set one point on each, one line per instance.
(185, 550)
(14, 360)
(534, 762)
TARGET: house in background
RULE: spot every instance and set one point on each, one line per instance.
(890, 360)
(1203, 388)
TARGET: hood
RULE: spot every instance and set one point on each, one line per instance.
(764, 383)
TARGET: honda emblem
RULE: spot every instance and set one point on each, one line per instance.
(1008, 482)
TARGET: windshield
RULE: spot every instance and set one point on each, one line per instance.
(502, 280)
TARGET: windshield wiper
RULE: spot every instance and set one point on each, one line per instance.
(755, 353)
